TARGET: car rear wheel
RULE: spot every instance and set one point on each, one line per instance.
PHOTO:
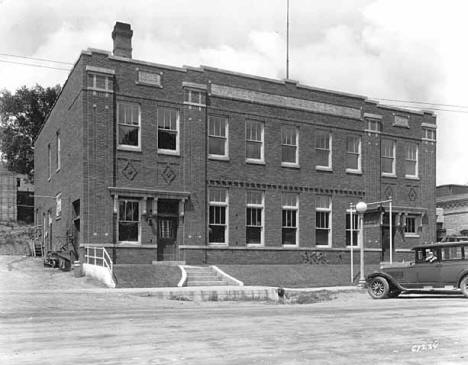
(464, 286)
(379, 288)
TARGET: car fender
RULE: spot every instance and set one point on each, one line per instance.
(390, 279)
(462, 275)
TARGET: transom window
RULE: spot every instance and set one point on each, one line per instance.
(168, 130)
(218, 137)
(254, 141)
(388, 157)
(411, 160)
(352, 228)
(218, 224)
(254, 224)
(290, 207)
(128, 117)
(323, 142)
(322, 220)
(353, 154)
(194, 98)
(129, 220)
(289, 144)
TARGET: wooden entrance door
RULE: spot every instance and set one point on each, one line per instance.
(167, 238)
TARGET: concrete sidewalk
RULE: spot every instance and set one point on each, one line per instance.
(212, 293)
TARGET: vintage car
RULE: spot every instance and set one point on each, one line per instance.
(437, 267)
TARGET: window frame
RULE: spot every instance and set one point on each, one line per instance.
(58, 206)
(413, 161)
(373, 122)
(225, 204)
(256, 206)
(293, 208)
(358, 153)
(214, 156)
(319, 209)
(432, 137)
(199, 105)
(296, 145)
(166, 151)
(322, 133)
(393, 157)
(107, 89)
(260, 160)
(413, 233)
(126, 147)
(140, 207)
(58, 157)
(356, 244)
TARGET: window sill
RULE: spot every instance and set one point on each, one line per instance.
(323, 246)
(168, 152)
(409, 177)
(291, 165)
(324, 168)
(217, 244)
(288, 245)
(352, 247)
(218, 157)
(412, 235)
(255, 162)
(128, 244)
(255, 245)
(370, 131)
(393, 176)
(354, 172)
(129, 148)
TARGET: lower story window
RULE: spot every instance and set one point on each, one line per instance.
(254, 223)
(129, 220)
(322, 228)
(410, 227)
(218, 216)
(352, 229)
(289, 228)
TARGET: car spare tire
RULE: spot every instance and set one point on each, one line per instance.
(378, 288)
(464, 286)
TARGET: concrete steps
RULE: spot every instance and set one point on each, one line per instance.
(203, 276)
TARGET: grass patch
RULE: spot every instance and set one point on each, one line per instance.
(294, 276)
(147, 276)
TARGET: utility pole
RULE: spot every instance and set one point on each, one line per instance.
(287, 39)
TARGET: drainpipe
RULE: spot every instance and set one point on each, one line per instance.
(205, 256)
(114, 174)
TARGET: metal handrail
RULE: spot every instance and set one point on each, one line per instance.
(98, 256)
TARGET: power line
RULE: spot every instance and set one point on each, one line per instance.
(35, 58)
(424, 103)
(33, 65)
(429, 108)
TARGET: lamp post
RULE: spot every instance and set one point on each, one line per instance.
(361, 208)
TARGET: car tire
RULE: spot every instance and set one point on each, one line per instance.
(378, 288)
(464, 286)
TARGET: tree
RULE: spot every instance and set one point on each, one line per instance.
(21, 118)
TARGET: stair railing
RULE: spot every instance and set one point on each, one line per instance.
(99, 256)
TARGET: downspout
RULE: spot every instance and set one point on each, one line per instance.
(207, 207)
(114, 172)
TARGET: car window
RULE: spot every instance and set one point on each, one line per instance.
(452, 253)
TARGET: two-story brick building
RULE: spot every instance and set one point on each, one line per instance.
(203, 165)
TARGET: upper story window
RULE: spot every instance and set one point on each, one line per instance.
(58, 162)
(323, 220)
(218, 134)
(411, 160)
(323, 148)
(254, 141)
(218, 216)
(353, 154)
(168, 130)
(373, 125)
(401, 121)
(290, 226)
(129, 126)
(194, 98)
(388, 157)
(429, 134)
(49, 161)
(100, 82)
(289, 146)
(254, 223)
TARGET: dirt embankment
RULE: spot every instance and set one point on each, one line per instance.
(16, 239)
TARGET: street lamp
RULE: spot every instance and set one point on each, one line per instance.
(361, 208)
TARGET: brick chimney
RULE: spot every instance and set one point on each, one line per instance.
(122, 36)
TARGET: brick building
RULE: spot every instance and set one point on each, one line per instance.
(452, 209)
(204, 165)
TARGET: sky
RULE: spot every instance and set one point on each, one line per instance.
(410, 50)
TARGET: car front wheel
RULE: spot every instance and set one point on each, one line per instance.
(379, 288)
(464, 286)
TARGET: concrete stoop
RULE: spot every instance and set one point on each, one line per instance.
(203, 276)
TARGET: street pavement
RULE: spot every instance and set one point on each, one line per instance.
(43, 326)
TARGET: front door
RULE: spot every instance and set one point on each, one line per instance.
(167, 238)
